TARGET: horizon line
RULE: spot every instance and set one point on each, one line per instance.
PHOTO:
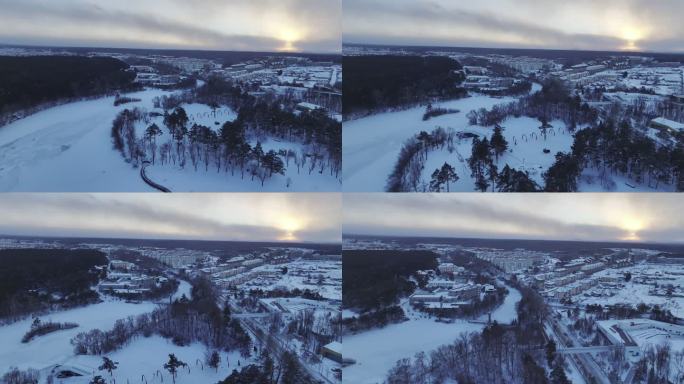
(644, 242)
(4, 235)
(512, 48)
(2, 43)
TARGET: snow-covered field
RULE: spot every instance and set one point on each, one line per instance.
(68, 148)
(372, 144)
(377, 351)
(54, 348)
(526, 150)
(146, 356)
(143, 356)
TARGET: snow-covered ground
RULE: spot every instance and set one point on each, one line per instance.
(68, 148)
(372, 144)
(507, 311)
(377, 351)
(54, 348)
(184, 288)
(302, 274)
(143, 356)
(526, 150)
(146, 357)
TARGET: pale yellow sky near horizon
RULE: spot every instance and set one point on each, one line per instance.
(304, 217)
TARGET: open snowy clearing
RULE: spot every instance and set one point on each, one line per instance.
(378, 350)
(372, 144)
(143, 356)
(55, 348)
(146, 356)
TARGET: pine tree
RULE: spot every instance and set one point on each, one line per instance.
(498, 142)
(214, 360)
(172, 366)
(448, 174)
(108, 365)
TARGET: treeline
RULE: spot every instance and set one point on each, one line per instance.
(229, 148)
(628, 311)
(374, 319)
(553, 102)
(497, 355)
(374, 279)
(184, 321)
(376, 83)
(30, 81)
(305, 293)
(39, 328)
(407, 171)
(34, 280)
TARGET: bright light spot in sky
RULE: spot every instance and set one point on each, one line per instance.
(632, 224)
(289, 36)
(290, 226)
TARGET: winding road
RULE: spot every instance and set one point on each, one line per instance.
(148, 181)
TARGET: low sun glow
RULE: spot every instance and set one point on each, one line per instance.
(632, 35)
(632, 226)
(290, 226)
(289, 36)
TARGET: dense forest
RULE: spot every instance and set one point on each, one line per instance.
(228, 149)
(33, 280)
(373, 279)
(376, 83)
(31, 81)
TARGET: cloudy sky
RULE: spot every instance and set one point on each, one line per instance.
(652, 217)
(653, 25)
(247, 25)
(306, 217)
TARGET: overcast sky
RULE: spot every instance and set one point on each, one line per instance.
(247, 25)
(653, 25)
(306, 217)
(652, 217)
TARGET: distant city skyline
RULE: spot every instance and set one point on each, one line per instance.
(621, 217)
(241, 25)
(282, 217)
(613, 25)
